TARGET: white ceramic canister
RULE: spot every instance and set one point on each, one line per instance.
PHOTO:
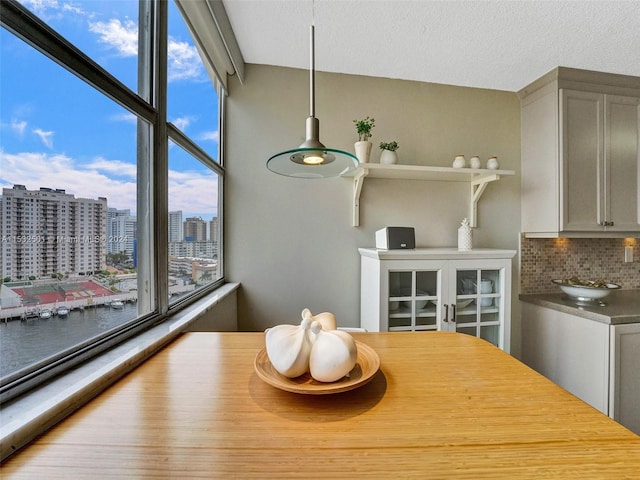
(459, 161)
(492, 163)
(465, 236)
(474, 162)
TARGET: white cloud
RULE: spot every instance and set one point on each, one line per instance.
(23, 110)
(35, 170)
(184, 62)
(69, 8)
(189, 191)
(115, 167)
(41, 6)
(121, 36)
(192, 191)
(52, 9)
(124, 117)
(45, 137)
(182, 123)
(18, 126)
(213, 136)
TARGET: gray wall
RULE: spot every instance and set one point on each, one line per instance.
(290, 243)
(222, 315)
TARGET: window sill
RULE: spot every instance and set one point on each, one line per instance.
(32, 414)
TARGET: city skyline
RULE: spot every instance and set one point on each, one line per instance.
(47, 232)
(58, 132)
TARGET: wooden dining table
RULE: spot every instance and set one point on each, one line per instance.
(441, 406)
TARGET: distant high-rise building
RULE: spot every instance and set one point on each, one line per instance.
(48, 231)
(121, 231)
(175, 226)
(214, 230)
(195, 230)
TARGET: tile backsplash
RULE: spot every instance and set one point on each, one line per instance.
(543, 259)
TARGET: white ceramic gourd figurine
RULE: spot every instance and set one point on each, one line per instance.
(333, 354)
(326, 319)
(289, 348)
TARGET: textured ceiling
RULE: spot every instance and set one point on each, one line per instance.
(502, 45)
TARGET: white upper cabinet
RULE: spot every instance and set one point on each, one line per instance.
(621, 204)
(580, 155)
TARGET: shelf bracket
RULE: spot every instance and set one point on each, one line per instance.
(358, 180)
(478, 186)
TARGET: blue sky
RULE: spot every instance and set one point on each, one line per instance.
(56, 131)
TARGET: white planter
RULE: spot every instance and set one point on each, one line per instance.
(387, 157)
(363, 151)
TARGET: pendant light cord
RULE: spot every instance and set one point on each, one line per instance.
(312, 69)
(312, 159)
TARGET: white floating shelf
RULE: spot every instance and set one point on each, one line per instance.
(478, 180)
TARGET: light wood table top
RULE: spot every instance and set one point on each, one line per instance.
(443, 405)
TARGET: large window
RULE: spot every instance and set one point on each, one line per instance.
(111, 178)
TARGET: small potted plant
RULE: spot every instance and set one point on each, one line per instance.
(389, 155)
(363, 145)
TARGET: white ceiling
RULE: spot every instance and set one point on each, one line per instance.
(495, 44)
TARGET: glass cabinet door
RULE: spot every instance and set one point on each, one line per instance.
(478, 302)
(413, 300)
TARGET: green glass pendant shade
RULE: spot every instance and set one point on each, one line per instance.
(312, 159)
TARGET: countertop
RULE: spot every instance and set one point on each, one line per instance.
(443, 406)
(622, 306)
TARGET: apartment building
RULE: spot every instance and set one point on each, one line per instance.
(205, 249)
(175, 226)
(121, 231)
(48, 231)
(195, 229)
(214, 229)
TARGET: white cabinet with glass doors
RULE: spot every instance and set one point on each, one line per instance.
(437, 289)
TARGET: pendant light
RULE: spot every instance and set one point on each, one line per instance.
(312, 159)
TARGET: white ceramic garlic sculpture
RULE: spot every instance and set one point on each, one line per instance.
(333, 354)
(326, 319)
(289, 348)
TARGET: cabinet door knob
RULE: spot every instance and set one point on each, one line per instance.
(453, 312)
(446, 313)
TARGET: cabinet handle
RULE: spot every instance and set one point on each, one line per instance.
(453, 310)
(446, 313)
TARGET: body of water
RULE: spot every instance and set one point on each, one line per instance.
(24, 342)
